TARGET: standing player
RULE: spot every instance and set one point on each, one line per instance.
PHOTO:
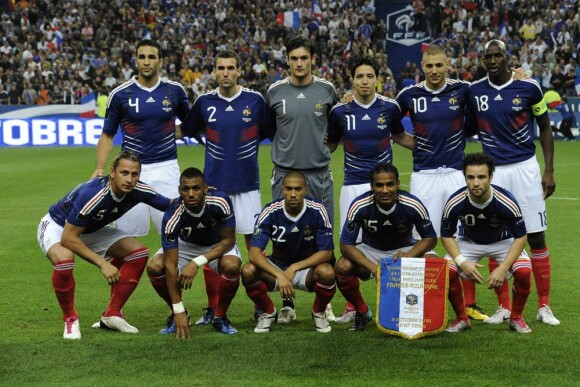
(386, 215)
(505, 110)
(302, 247)
(492, 226)
(234, 120)
(365, 125)
(437, 110)
(79, 224)
(145, 108)
(198, 229)
(300, 105)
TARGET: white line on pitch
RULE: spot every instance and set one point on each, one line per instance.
(559, 198)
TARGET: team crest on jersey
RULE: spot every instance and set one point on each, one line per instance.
(517, 101)
(381, 121)
(350, 226)
(308, 234)
(495, 221)
(257, 231)
(453, 103)
(319, 106)
(166, 105)
(247, 113)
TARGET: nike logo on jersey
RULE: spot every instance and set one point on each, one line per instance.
(498, 98)
(200, 225)
(229, 109)
(366, 117)
(301, 96)
(295, 229)
(150, 100)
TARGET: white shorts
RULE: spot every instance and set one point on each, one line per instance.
(347, 194)
(189, 251)
(247, 207)
(433, 187)
(49, 233)
(524, 181)
(164, 177)
(299, 281)
(474, 252)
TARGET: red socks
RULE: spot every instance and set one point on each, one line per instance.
(468, 291)
(160, 285)
(130, 272)
(228, 287)
(503, 292)
(63, 283)
(212, 283)
(542, 273)
(521, 287)
(324, 294)
(258, 293)
(349, 286)
(455, 295)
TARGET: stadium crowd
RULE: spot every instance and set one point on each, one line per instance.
(59, 51)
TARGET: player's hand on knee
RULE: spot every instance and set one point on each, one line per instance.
(110, 272)
(181, 326)
(286, 288)
(470, 270)
(187, 275)
(496, 278)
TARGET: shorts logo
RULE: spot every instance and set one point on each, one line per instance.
(400, 27)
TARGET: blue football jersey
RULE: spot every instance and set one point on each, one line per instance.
(386, 229)
(93, 205)
(498, 219)
(203, 228)
(233, 127)
(505, 117)
(293, 238)
(438, 118)
(365, 131)
(147, 118)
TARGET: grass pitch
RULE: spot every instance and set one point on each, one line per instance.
(32, 351)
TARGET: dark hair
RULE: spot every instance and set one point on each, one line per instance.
(478, 158)
(191, 173)
(297, 42)
(228, 54)
(125, 155)
(294, 174)
(384, 168)
(150, 43)
(364, 60)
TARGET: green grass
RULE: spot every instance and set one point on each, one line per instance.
(32, 351)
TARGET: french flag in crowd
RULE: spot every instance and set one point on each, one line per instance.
(88, 106)
(316, 10)
(412, 296)
(289, 19)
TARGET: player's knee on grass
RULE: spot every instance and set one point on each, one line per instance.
(324, 274)
(230, 265)
(249, 274)
(344, 267)
(156, 266)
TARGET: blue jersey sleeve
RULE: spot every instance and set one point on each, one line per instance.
(113, 114)
(170, 235)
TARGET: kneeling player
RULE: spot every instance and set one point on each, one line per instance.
(302, 247)
(79, 224)
(492, 226)
(386, 216)
(198, 228)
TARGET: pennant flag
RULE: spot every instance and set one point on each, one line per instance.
(290, 19)
(316, 10)
(412, 296)
(88, 106)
